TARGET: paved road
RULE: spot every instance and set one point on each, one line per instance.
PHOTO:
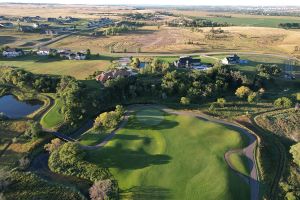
(285, 56)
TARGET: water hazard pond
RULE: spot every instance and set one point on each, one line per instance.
(13, 108)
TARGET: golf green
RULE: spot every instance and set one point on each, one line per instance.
(180, 157)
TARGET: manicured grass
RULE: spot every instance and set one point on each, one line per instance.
(53, 117)
(80, 69)
(180, 158)
(93, 137)
(240, 163)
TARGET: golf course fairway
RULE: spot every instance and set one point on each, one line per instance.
(163, 156)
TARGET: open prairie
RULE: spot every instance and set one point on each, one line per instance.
(152, 39)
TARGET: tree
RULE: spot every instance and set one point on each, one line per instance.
(53, 145)
(70, 152)
(268, 71)
(242, 92)
(135, 62)
(252, 97)
(100, 190)
(4, 178)
(88, 53)
(120, 110)
(34, 130)
(283, 102)
(185, 101)
(295, 151)
(221, 102)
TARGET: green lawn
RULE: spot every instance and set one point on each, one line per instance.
(162, 156)
(80, 69)
(53, 117)
(240, 163)
(253, 21)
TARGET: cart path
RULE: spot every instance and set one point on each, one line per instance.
(247, 151)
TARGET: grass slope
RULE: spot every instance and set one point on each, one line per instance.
(240, 163)
(53, 117)
(180, 158)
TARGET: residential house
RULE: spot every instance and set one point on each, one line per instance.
(51, 32)
(51, 19)
(76, 56)
(112, 74)
(102, 22)
(44, 51)
(7, 25)
(187, 62)
(35, 25)
(11, 53)
(231, 60)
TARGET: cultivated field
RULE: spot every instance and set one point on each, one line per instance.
(150, 39)
(161, 156)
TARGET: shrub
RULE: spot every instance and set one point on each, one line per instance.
(4, 179)
(283, 102)
(295, 151)
(15, 140)
(109, 120)
(34, 130)
(185, 100)
(101, 190)
(53, 145)
(70, 152)
(252, 97)
(242, 92)
(221, 102)
(24, 163)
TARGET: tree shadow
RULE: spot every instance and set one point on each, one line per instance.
(159, 124)
(125, 158)
(146, 192)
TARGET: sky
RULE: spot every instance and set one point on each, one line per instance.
(169, 2)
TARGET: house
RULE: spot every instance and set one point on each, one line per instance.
(112, 74)
(50, 19)
(7, 25)
(35, 25)
(43, 52)
(51, 32)
(11, 53)
(124, 62)
(231, 60)
(187, 61)
(76, 56)
(102, 22)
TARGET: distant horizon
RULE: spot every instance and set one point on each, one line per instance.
(254, 3)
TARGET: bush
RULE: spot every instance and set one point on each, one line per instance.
(185, 100)
(34, 130)
(295, 151)
(54, 145)
(221, 102)
(24, 163)
(242, 92)
(103, 189)
(109, 120)
(252, 97)
(283, 102)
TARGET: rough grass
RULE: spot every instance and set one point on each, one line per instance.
(180, 158)
(80, 69)
(240, 163)
(53, 118)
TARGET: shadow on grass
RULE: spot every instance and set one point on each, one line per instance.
(125, 158)
(146, 192)
(158, 124)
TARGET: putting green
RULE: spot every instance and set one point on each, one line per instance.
(182, 157)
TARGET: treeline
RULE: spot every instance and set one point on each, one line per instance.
(115, 30)
(289, 25)
(195, 22)
(21, 78)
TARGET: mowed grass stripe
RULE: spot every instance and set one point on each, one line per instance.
(180, 158)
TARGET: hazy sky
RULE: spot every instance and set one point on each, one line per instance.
(168, 2)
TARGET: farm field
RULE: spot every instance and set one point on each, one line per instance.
(150, 39)
(79, 69)
(241, 19)
(185, 154)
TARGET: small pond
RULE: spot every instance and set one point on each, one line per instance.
(13, 108)
(143, 64)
